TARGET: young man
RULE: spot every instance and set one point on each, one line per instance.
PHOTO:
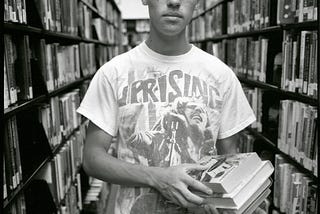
(167, 103)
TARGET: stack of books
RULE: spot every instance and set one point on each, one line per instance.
(240, 182)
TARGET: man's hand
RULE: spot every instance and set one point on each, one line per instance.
(173, 182)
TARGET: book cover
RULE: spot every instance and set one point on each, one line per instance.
(223, 169)
(250, 186)
(251, 204)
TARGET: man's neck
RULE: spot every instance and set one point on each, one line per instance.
(168, 45)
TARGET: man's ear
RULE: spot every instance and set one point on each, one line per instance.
(144, 2)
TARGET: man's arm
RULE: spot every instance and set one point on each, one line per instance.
(171, 182)
(228, 145)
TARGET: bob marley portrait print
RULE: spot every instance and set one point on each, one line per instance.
(169, 120)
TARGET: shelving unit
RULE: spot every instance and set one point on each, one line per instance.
(37, 32)
(275, 31)
(25, 184)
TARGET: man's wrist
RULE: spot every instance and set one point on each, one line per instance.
(152, 174)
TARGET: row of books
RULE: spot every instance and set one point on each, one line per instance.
(17, 70)
(292, 11)
(85, 20)
(106, 10)
(246, 56)
(88, 58)
(12, 170)
(25, 149)
(105, 53)
(15, 11)
(246, 142)
(246, 16)
(105, 31)
(300, 64)
(59, 117)
(96, 198)
(18, 206)
(58, 15)
(62, 172)
(57, 186)
(208, 25)
(298, 136)
(34, 68)
(294, 192)
(204, 5)
(254, 97)
(60, 64)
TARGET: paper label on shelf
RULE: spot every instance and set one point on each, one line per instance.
(14, 181)
(30, 92)
(299, 83)
(5, 191)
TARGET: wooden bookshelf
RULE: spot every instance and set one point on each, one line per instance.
(38, 35)
(274, 34)
(95, 11)
(273, 88)
(16, 27)
(208, 9)
(31, 103)
(25, 184)
(265, 31)
(274, 147)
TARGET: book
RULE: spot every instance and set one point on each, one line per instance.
(223, 169)
(249, 207)
(250, 186)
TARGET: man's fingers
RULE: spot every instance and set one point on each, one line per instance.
(190, 197)
(193, 167)
(197, 185)
(210, 209)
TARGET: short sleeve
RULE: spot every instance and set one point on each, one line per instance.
(99, 104)
(236, 114)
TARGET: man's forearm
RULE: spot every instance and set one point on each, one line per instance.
(228, 145)
(105, 167)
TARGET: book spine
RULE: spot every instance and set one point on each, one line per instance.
(306, 63)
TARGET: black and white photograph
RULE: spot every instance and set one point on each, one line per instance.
(160, 107)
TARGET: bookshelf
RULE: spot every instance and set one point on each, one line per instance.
(60, 44)
(135, 31)
(245, 24)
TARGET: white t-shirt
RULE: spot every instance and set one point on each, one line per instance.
(164, 110)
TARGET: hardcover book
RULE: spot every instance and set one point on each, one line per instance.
(250, 187)
(226, 172)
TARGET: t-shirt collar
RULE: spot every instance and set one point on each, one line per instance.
(161, 57)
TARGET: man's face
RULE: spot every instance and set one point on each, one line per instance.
(170, 17)
(196, 115)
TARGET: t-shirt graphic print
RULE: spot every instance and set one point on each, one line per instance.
(164, 111)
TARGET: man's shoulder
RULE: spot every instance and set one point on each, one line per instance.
(209, 58)
(213, 64)
(118, 63)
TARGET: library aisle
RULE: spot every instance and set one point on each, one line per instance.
(51, 51)
(53, 48)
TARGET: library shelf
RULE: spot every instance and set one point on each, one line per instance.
(208, 9)
(10, 26)
(310, 25)
(10, 198)
(17, 27)
(30, 103)
(95, 10)
(274, 147)
(288, 94)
